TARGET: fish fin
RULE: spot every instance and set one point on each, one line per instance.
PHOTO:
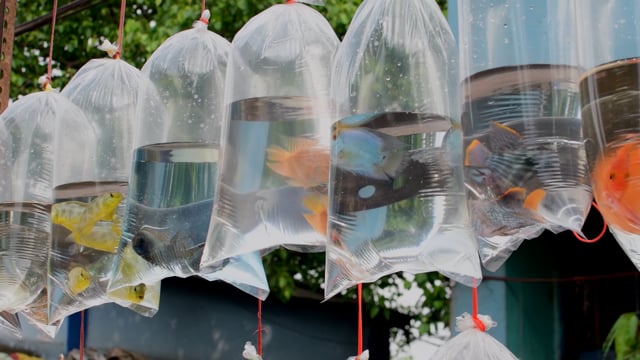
(533, 200)
(513, 194)
(476, 154)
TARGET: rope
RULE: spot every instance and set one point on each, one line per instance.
(360, 345)
(123, 7)
(259, 345)
(474, 310)
(47, 83)
(604, 229)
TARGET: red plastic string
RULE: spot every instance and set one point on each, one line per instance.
(203, 6)
(259, 349)
(53, 29)
(123, 7)
(291, 1)
(359, 321)
(82, 335)
(604, 229)
(474, 309)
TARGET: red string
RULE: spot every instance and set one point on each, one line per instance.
(259, 350)
(474, 309)
(123, 7)
(203, 6)
(359, 320)
(291, 1)
(82, 335)
(604, 229)
(53, 29)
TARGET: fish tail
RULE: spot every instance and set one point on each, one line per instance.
(533, 200)
(503, 127)
(100, 238)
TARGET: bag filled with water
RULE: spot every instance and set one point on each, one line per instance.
(88, 207)
(525, 162)
(472, 342)
(33, 130)
(10, 324)
(610, 92)
(175, 162)
(272, 183)
(397, 200)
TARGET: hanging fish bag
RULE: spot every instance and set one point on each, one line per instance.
(272, 185)
(396, 190)
(525, 162)
(88, 207)
(175, 163)
(33, 130)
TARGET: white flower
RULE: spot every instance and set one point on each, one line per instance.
(250, 352)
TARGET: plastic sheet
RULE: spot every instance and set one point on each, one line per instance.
(525, 162)
(397, 199)
(34, 130)
(10, 324)
(472, 343)
(610, 51)
(88, 207)
(272, 185)
(174, 168)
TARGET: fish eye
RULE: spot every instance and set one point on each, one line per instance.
(612, 176)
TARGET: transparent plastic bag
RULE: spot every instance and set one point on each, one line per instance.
(88, 207)
(174, 168)
(272, 184)
(609, 39)
(397, 199)
(10, 324)
(525, 162)
(35, 129)
(472, 343)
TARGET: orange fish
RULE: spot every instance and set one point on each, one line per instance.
(318, 216)
(304, 163)
(616, 187)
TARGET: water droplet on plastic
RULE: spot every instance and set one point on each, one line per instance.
(367, 191)
(506, 40)
(505, 26)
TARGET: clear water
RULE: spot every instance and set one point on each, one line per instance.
(400, 210)
(169, 209)
(257, 208)
(611, 113)
(24, 244)
(541, 104)
(67, 254)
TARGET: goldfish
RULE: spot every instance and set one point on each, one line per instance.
(616, 186)
(304, 163)
(79, 279)
(317, 214)
(368, 152)
(133, 294)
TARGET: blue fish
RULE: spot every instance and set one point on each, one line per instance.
(368, 153)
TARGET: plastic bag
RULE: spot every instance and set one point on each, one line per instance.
(272, 185)
(609, 90)
(397, 197)
(525, 162)
(10, 324)
(472, 343)
(35, 129)
(88, 209)
(174, 168)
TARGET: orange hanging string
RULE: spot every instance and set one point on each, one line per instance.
(259, 345)
(360, 346)
(123, 7)
(47, 81)
(203, 6)
(291, 1)
(604, 229)
(81, 350)
(474, 309)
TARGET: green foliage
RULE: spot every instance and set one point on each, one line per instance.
(148, 24)
(624, 336)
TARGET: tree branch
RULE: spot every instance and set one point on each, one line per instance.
(63, 11)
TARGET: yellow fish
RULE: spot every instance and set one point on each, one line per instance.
(68, 214)
(133, 294)
(101, 237)
(101, 208)
(79, 279)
